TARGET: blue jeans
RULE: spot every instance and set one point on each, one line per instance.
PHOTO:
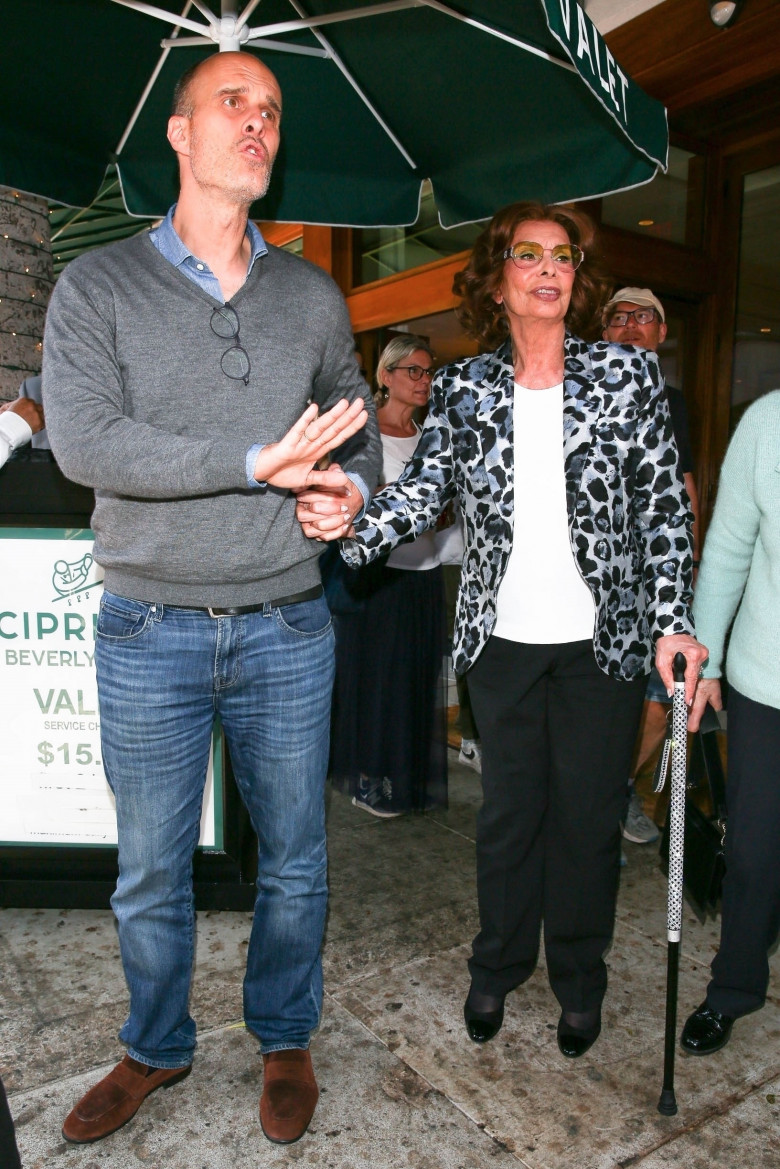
(163, 675)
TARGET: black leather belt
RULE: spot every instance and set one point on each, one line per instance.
(239, 610)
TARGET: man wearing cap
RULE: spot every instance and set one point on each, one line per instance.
(635, 316)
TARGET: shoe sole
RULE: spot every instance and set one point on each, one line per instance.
(166, 1084)
(279, 1141)
(709, 1051)
(356, 803)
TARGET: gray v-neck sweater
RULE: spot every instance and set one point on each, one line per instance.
(137, 407)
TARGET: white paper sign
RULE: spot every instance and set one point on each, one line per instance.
(53, 789)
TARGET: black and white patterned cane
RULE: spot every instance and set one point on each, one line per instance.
(677, 812)
(667, 1105)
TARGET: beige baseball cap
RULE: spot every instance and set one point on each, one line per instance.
(641, 296)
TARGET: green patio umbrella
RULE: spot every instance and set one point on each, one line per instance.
(492, 100)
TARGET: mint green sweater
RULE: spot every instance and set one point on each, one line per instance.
(740, 569)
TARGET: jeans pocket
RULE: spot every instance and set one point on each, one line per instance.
(121, 619)
(311, 618)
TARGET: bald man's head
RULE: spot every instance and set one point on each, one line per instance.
(226, 128)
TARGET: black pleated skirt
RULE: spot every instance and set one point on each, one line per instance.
(389, 700)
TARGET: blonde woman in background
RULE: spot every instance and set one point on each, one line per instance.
(388, 735)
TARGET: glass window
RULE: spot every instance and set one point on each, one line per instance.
(295, 246)
(668, 208)
(756, 368)
(384, 251)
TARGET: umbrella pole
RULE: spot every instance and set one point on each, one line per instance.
(667, 1103)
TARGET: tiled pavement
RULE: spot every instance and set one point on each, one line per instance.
(401, 1083)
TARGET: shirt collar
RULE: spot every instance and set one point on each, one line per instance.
(169, 243)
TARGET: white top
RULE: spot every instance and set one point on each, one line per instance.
(14, 432)
(542, 599)
(422, 553)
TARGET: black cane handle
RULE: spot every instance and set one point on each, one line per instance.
(678, 667)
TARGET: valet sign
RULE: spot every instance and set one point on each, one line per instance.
(53, 790)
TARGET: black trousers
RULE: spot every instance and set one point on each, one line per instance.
(557, 736)
(750, 919)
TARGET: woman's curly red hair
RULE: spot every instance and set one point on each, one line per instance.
(477, 283)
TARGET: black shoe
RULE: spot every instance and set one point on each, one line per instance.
(486, 1024)
(706, 1031)
(574, 1041)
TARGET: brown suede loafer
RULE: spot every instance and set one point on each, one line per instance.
(289, 1096)
(116, 1099)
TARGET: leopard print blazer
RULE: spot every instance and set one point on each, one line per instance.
(629, 517)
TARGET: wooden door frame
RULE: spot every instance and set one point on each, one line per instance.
(718, 311)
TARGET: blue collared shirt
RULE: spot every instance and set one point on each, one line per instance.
(171, 246)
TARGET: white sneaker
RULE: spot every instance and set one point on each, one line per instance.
(471, 754)
(637, 827)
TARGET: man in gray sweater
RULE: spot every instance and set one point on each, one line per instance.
(194, 377)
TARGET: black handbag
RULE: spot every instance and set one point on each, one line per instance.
(705, 832)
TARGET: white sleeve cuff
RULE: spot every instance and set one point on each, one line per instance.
(14, 429)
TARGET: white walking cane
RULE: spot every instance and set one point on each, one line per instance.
(679, 740)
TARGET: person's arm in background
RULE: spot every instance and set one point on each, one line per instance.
(19, 421)
(728, 554)
(32, 388)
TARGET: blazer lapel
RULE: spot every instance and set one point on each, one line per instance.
(582, 404)
(494, 408)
